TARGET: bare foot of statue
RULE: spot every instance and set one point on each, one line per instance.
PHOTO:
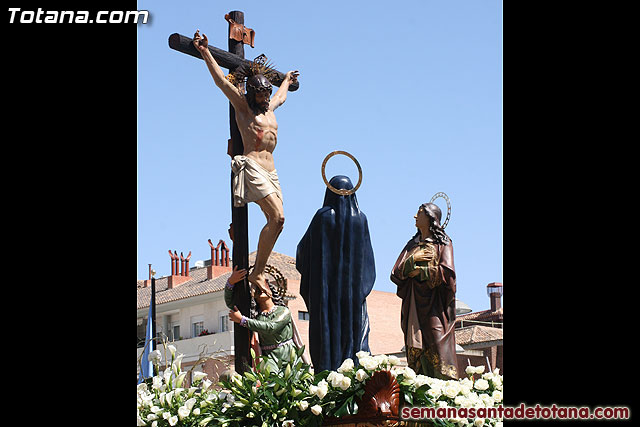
(259, 280)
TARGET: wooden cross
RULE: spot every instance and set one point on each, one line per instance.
(232, 59)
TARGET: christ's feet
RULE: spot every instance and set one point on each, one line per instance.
(260, 282)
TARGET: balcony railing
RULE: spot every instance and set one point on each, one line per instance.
(219, 344)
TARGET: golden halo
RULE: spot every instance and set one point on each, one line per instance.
(331, 187)
(446, 199)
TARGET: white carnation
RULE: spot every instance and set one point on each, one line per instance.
(155, 357)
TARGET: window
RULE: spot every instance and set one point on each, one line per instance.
(303, 315)
(197, 325)
(224, 324)
(174, 332)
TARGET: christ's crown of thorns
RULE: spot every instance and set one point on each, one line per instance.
(260, 65)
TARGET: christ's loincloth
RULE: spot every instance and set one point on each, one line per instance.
(252, 182)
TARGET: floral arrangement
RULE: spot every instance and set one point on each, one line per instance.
(266, 396)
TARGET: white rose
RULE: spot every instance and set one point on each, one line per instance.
(479, 369)
(434, 392)
(497, 396)
(393, 360)
(288, 423)
(335, 380)
(369, 363)
(452, 389)
(479, 422)
(361, 375)
(362, 354)
(313, 389)
(347, 365)
(470, 370)
(481, 384)
(460, 401)
(487, 400)
(421, 380)
(409, 373)
(345, 383)
(183, 412)
(381, 359)
(316, 409)
(322, 391)
(303, 405)
(173, 421)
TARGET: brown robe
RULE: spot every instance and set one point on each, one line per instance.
(428, 309)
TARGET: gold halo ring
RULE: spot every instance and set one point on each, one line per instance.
(446, 198)
(331, 187)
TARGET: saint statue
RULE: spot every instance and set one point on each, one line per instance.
(269, 317)
(426, 280)
(335, 260)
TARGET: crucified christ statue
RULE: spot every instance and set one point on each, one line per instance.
(254, 174)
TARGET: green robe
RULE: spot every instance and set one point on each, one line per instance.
(273, 328)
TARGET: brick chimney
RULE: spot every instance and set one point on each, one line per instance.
(219, 260)
(494, 291)
(178, 277)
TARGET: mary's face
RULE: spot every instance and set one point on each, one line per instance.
(422, 219)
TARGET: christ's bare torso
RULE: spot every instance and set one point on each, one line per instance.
(259, 136)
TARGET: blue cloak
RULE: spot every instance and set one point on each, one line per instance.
(335, 259)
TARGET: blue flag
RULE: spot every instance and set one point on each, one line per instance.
(146, 370)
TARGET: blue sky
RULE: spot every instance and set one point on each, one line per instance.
(413, 89)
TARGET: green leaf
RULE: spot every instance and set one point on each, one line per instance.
(270, 395)
(408, 398)
(344, 408)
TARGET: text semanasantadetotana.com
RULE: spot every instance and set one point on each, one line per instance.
(520, 412)
(17, 15)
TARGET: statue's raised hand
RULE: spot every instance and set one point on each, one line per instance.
(200, 41)
(293, 76)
